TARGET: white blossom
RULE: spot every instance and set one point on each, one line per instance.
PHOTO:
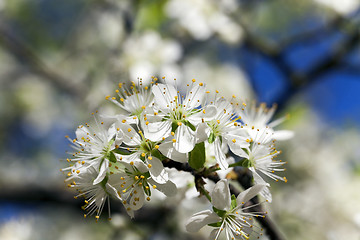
(175, 115)
(259, 117)
(95, 195)
(135, 185)
(93, 148)
(229, 214)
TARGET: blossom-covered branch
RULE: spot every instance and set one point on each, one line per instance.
(127, 156)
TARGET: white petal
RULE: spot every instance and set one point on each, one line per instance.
(185, 139)
(111, 132)
(110, 189)
(260, 181)
(283, 135)
(249, 194)
(207, 113)
(156, 166)
(130, 135)
(220, 155)
(195, 97)
(82, 132)
(157, 130)
(200, 219)
(220, 196)
(140, 165)
(140, 196)
(163, 95)
(168, 150)
(202, 132)
(266, 194)
(214, 233)
(168, 188)
(162, 178)
(102, 172)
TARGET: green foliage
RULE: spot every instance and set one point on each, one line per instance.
(197, 156)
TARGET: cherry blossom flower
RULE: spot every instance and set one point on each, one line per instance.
(175, 115)
(229, 214)
(93, 148)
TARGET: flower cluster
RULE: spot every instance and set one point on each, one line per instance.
(123, 156)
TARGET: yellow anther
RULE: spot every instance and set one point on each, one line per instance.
(179, 124)
(154, 186)
(156, 146)
(218, 121)
(121, 99)
(234, 140)
(142, 176)
(174, 140)
(143, 107)
(147, 122)
(136, 178)
(117, 91)
(107, 97)
(143, 154)
(244, 104)
(149, 165)
(204, 111)
(201, 84)
(131, 163)
(193, 80)
(113, 98)
(84, 215)
(150, 157)
(148, 198)
(233, 96)
(97, 217)
(77, 171)
(146, 88)
(172, 134)
(129, 129)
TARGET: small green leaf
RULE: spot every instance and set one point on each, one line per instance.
(197, 156)
(187, 123)
(220, 213)
(112, 157)
(233, 202)
(212, 137)
(121, 152)
(174, 126)
(218, 224)
(247, 163)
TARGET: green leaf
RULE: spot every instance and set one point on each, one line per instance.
(212, 137)
(197, 156)
(233, 202)
(220, 213)
(247, 163)
(174, 126)
(218, 224)
(112, 157)
(122, 152)
(192, 127)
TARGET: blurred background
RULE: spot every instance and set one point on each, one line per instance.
(59, 59)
